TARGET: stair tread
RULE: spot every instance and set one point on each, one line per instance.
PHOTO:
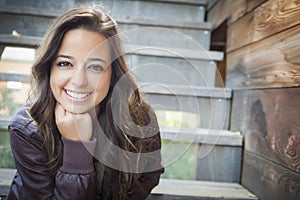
(202, 136)
(189, 188)
(164, 23)
(202, 189)
(209, 92)
(175, 52)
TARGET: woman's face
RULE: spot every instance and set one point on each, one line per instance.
(80, 75)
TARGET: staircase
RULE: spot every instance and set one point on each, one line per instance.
(167, 49)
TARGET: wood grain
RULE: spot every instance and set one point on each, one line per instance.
(269, 119)
(251, 4)
(269, 18)
(226, 9)
(272, 62)
(268, 180)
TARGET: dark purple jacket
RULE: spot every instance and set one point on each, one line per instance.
(77, 178)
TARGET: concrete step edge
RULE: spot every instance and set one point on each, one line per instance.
(202, 136)
(185, 90)
(175, 52)
(205, 26)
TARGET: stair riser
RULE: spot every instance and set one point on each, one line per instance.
(222, 164)
(176, 71)
(125, 8)
(49, 4)
(131, 33)
(24, 24)
(155, 10)
(212, 112)
(175, 37)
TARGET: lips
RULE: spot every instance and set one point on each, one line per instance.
(77, 95)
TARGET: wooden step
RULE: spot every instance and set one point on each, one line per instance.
(191, 10)
(167, 10)
(165, 33)
(210, 105)
(176, 71)
(169, 189)
(175, 66)
(135, 30)
(218, 153)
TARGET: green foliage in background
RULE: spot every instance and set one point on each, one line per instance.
(7, 102)
(183, 166)
(6, 160)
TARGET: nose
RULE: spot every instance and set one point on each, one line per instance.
(79, 77)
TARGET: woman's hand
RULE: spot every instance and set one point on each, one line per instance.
(73, 126)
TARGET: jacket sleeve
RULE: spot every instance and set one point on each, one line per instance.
(74, 180)
(148, 180)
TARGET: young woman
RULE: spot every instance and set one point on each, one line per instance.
(88, 133)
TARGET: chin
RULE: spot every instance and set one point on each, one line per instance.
(77, 109)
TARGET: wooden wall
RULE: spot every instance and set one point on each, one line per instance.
(263, 69)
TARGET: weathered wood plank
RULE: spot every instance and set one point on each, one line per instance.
(269, 119)
(184, 189)
(268, 180)
(251, 4)
(269, 18)
(226, 9)
(272, 62)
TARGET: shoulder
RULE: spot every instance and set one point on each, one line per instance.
(23, 123)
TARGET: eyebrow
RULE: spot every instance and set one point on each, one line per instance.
(90, 59)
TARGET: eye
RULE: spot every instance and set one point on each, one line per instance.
(96, 68)
(64, 64)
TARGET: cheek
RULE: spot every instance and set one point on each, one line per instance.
(103, 85)
(56, 82)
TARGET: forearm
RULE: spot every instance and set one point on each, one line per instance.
(76, 177)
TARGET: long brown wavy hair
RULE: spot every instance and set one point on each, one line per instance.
(42, 108)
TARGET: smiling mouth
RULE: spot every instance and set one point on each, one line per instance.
(77, 95)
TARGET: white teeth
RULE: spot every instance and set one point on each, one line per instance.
(77, 95)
